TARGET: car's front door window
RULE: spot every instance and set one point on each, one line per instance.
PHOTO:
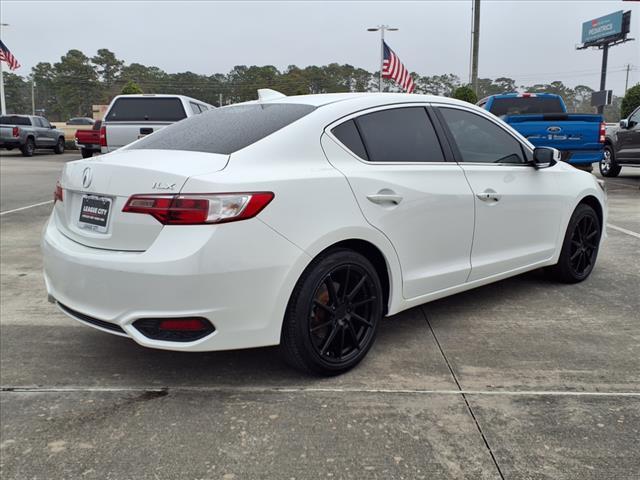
(480, 140)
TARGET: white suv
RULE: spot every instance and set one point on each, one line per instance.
(130, 117)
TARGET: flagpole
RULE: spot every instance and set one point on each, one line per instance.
(3, 106)
(382, 28)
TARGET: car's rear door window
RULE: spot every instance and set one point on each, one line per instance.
(14, 120)
(525, 105)
(399, 135)
(146, 109)
(479, 140)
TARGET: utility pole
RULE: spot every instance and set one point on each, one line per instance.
(476, 45)
(381, 28)
(626, 82)
(219, 99)
(33, 96)
(603, 73)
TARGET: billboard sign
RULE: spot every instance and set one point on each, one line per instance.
(603, 27)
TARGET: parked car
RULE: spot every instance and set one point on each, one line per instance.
(543, 119)
(80, 121)
(28, 133)
(130, 117)
(302, 221)
(88, 141)
(622, 146)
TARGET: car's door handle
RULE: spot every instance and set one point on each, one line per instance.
(383, 197)
(489, 195)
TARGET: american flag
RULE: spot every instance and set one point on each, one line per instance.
(393, 68)
(7, 56)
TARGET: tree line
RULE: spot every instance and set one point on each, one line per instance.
(70, 87)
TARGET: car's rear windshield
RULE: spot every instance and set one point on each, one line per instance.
(525, 105)
(14, 120)
(146, 109)
(225, 130)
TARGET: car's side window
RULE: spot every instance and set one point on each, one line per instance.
(36, 122)
(634, 119)
(195, 108)
(399, 135)
(481, 141)
(44, 122)
(348, 134)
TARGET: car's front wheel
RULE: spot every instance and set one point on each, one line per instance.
(580, 246)
(608, 166)
(333, 314)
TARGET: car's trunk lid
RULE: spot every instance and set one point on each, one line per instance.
(95, 192)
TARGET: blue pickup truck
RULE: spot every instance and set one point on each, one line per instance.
(543, 119)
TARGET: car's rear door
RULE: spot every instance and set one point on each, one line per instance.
(406, 188)
(518, 209)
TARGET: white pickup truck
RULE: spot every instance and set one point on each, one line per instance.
(130, 117)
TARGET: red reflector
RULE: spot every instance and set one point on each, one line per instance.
(57, 194)
(183, 325)
(15, 131)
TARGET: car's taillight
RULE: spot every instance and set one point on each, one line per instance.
(57, 194)
(103, 136)
(15, 131)
(603, 132)
(198, 209)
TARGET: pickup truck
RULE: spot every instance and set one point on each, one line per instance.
(28, 132)
(130, 117)
(622, 146)
(88, 140)
(543, 119)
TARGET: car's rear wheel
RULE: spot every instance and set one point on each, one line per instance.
(28, 148)
(333, 314)
(608, 166)
(59, 148)
(580, 246)
(86, 153)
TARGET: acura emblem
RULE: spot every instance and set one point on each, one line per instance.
(554, 129)
(87, 176)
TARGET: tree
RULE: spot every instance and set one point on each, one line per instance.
(108, 66)
(76, 85)
(17, 93)
(630, 101)
(466, 94)
(131, 88)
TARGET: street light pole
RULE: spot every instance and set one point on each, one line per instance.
(381, 28)
(3, 106)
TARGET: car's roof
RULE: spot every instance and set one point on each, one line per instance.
(160, 95)
(382, 98)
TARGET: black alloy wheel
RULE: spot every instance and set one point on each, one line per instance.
(580, 247)
(333, 314)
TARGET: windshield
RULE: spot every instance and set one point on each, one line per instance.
(225, 130)
(525, 105)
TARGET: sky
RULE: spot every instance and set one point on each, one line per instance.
(530, 41)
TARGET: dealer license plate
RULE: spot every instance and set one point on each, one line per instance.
(94, 213)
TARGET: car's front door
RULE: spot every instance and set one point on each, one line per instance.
(518, 209)
(397, 169)
(628, 141)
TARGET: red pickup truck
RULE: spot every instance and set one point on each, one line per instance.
(88, 141)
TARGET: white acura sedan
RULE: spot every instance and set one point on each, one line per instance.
(301, 221)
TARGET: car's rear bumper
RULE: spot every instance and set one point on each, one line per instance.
(10, 143)
(238, 276)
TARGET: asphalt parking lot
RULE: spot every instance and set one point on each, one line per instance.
(523, 379)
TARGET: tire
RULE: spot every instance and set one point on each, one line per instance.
(608, 166)
(59, 148)
(580, 246)
(9, 149)
(86, 153)
(28, 148)
(333, 314)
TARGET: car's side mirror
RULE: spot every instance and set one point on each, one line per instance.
(52, 127)
(624, 123)
(544, 157)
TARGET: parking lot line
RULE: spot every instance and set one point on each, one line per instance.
(401, 391)
(25, 208)
(624, 230)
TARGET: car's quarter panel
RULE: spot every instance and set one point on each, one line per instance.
(219, 272)
(431, 228)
